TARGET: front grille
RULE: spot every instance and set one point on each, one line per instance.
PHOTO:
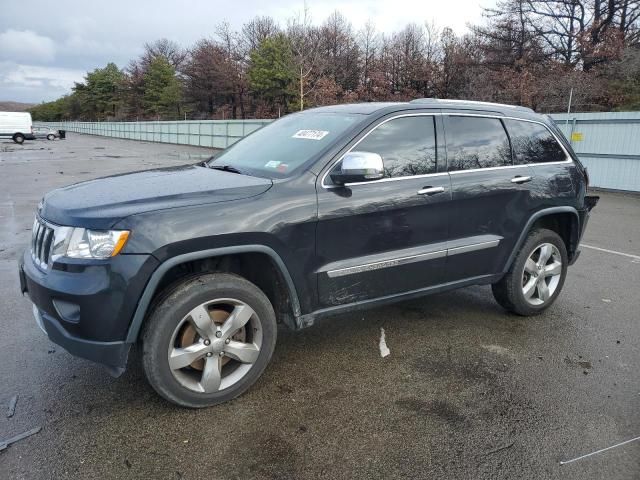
(41, 242)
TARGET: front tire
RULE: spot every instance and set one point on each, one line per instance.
(51, 136)
(18, 138)
(536, 276)
(208, 340)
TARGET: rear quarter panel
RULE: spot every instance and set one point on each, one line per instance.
(556, 184)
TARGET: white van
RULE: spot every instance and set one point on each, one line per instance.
(16, 125)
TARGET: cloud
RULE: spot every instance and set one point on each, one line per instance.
(26, 45)
(31, 75)
(35, 82)
(77, 36)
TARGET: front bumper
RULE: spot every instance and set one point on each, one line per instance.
(113, 355)
(87, 308)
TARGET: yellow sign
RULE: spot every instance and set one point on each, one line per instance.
(577, 137)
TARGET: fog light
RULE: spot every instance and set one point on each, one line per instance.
(67, 311)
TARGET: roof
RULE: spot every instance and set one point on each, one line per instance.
(467, 103)
(364, 108)
(422, 103)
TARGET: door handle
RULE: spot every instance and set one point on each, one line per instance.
(430, 190)
(520, 179)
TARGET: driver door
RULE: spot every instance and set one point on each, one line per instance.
(386, 237)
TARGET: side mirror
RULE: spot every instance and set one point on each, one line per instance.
(358, 167)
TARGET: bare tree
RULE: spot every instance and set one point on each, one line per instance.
(628, 21)
(577, 32)
(167, 49)
(432, 50)
(257, 31)
(305, 46)
(134, 89)
(230, 42)
(369, 42)
(340, 53)
(209, 79)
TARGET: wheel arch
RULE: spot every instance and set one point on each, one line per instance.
(154, 285)
(553, 218)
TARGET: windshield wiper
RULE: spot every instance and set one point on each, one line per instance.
(226, 168)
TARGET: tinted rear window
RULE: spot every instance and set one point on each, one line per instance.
(476, 142)
(533, 143)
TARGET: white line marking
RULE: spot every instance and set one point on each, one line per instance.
(497, 349)
(600, 451)
(635, 257)
(384, 350)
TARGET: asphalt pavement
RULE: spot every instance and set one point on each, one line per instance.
(468, 391)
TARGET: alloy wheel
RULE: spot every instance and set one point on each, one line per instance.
(542, 273)
(215, 345)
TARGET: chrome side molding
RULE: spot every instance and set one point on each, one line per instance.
(394, 262)
(455, 247)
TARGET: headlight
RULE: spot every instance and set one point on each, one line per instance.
(84, 243)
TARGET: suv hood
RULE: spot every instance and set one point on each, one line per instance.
(100, 203)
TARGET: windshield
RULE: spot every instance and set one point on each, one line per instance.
(276, 150)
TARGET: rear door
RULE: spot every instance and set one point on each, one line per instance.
(387, 236)
(491, 197)
(535, 145)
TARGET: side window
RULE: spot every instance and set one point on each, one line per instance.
(407, 146)
(533, 143)
(476, 142)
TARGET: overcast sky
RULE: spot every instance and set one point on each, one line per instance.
(43, 51)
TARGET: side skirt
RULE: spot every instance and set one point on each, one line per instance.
(309, 319)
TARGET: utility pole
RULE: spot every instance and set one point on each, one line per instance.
(569, 107)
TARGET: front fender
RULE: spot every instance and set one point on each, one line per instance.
(158, 274)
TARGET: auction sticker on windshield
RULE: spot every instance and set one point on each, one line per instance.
(311, 134)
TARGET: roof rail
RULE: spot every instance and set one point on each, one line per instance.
(471, 102)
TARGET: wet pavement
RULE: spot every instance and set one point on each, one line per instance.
(468, 391)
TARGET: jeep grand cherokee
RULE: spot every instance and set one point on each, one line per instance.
(323, 211)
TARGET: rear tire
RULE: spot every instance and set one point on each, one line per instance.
(51, 136)
(18, 138)
(536, 276)
(208, 340)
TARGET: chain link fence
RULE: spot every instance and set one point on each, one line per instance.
(203, 133)
(607, 143)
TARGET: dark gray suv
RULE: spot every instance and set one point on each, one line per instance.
(323, 211)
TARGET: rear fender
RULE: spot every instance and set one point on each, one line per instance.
(536, 216)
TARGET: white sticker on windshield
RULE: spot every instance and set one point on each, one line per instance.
(311, 134)
(272, 164)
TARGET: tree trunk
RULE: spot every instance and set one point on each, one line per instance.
(623, 18)
(301, 90)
